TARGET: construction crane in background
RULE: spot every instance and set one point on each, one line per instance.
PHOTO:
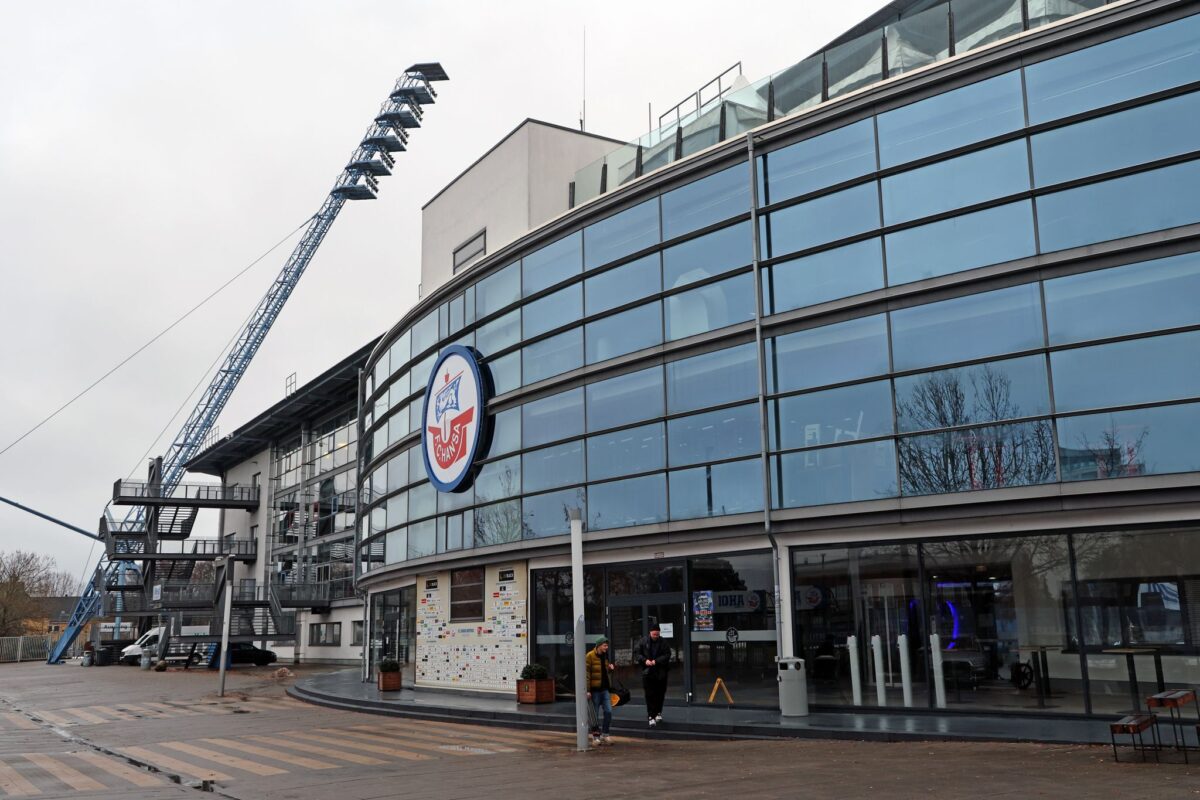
(359, 180)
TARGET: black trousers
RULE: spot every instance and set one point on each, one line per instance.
(655, 687)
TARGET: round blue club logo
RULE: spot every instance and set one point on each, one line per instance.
(454, 418)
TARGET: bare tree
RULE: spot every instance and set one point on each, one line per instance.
(1113, 456)
(24, 578)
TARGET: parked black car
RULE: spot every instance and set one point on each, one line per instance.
(246, 653)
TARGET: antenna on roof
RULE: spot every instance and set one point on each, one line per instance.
(583, 110)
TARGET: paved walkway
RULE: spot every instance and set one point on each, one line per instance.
(344, 689)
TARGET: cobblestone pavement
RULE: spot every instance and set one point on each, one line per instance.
(121, 732)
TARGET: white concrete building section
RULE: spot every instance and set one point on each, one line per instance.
(521, 183)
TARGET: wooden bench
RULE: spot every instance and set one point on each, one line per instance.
(1173, 702)
(1135, 726)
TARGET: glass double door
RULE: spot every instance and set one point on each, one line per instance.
(629, 620)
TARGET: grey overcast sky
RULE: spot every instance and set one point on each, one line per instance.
(150, 150)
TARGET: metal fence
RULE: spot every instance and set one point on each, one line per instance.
(32, 648)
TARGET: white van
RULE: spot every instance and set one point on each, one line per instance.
(148, 642)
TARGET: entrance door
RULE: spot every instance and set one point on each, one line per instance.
(629, 619)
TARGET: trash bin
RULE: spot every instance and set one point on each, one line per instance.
(793, 687)
(103, 656)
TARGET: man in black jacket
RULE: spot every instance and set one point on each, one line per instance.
(653, 655)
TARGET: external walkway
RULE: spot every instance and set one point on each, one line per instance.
(345, 690)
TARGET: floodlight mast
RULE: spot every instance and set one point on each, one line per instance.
(372, 159)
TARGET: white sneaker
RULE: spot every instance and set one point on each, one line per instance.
(597, 741)
(653, 722)
(658, 717)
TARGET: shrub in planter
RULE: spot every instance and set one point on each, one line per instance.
(535, 685)
(389, 675)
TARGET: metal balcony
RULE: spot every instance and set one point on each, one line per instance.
(185, 595)
(421, 93)
(385, 141)
(372, 161)
(302, 595)
(245, 625)
(405, 117)
(185, 495)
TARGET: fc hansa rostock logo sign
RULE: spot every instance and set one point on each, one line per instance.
(454, 418)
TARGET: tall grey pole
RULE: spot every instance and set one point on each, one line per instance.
(228, 616)
(579, 643)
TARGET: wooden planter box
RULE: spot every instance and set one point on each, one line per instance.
(535, 691)
(389, 681)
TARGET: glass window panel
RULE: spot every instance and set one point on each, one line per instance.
(719, 377)
(715, 490)
(825, 219)
(1121, 444)
(1131, 299)
(506, 431)
(706, 201)
(456, 314)
(553, 356)
(559, 416)
(553, 466)
(833, 416)
(625, 399)
(828, 275)
(990, 323)
(400, 389)
(1043, 12)
(552, 264)
(498, 290)
(918, 40)
(855, 64)
(625, 284)
(960, 243)
(952, 119)
(623, 333)
(714, 435)
(499, 334)
(552, 311)
(834, 353)
(703, 131)
(498, 480)
(708, 255)
(422, 539)
(1121, 69)
(625, 452)
(397, 472)
(968, 395)
(453, 501)
(1148, 201)
(621, 234)
(1120, 140)
(800, 85)
(1124, 373)
(506, 372)
(709, 308)
(977, 22)
(620, 504)
(420, 371)
(547, 514)
(416, 464)
(819, 162)
(396, 546)
(993, 457)
(843, 474)
(956, 182)
(399, 352)
(498, 523)
(422, 501)
(425, 333)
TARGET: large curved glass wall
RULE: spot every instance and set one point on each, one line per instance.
(1079, 377)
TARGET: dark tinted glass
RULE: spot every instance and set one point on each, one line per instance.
(1119, 444)
(708, 308)
(833, 416)
(625, 284)
(625, 452)
(554, 466)
(825, 219)
(546, 514)
(968, 395)
(713, 435)
(553, 356)
(558, 416)
(956, 182)
(553, 263)
(1132, 66)
(716, 490)
(621, 234)
(552, 311)
(1118, 140)
(1124, 373)
(1147, 201)
(708, 255)
(497, 291)
(828, 275)
(625, 399)
(819, 162)
(834, 353)
(991, 323)
(624, 333)
(637, 501)
(719, 377)
(1020, 454)
(952, 119)
(1131, 299)
(499, 480)
(706, 201)
(960, 243)
(835, 475)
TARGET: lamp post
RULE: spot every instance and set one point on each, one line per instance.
(581, 700)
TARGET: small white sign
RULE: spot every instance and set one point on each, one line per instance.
(666, 630)
(156, 595)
